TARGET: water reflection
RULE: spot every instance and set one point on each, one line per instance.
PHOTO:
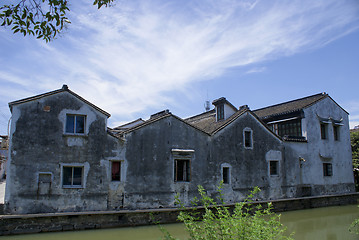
(329, 223)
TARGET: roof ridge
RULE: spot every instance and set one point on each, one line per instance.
(210, 111)
(230, 120)
(63, 89)
(324, 94)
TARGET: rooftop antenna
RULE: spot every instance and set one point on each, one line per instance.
(207, 105)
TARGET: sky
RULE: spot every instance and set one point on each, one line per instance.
(140, 57)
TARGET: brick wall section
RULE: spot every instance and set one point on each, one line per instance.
(54, 222)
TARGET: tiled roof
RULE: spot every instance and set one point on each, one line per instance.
(288, 107)
(154, 118)
(207, 121)
(129, 124)
(63, 89)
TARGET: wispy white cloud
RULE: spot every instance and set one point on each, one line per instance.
(131, 57)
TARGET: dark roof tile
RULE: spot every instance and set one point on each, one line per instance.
(288, 107)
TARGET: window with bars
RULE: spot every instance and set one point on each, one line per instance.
(220, 112)
(288, 128)
(182, 170)
(324, 130)
(327, 169)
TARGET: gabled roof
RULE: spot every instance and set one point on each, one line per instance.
(129, 124)
(154, 118)
(288, 107)
(207, 121)
(63, 89)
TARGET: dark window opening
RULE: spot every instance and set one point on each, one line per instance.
(116, 171)
(292, 128)
(273, 167)
(182, 170)
(72, 176)
(327, 169)
(336, 132)
(75, 123)
(248, 139)
(323, 131)
(220, 112)
(225, 173)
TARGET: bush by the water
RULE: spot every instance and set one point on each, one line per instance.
(246, 221)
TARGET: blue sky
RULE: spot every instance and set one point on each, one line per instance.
(140, 57)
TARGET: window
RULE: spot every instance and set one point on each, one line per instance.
(336, 132)
(72, 176)
(116, 171)
(327, 169)
(248, 141)
(225, 175)
(323, 130)
(75, 124)
(182, 170)
(220, 112)
(273, 168)
(291, 128)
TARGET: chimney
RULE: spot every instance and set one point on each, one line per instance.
(160, 114)
(65, 87)
(243, 107)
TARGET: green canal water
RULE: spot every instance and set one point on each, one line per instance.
(330, 223)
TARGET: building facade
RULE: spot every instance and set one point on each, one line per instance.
(63, 157)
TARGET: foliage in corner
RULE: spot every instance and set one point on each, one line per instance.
(247, 221)
(354, 139)
(43, 19)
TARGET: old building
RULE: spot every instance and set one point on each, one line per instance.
(64, 158)
(4, 146)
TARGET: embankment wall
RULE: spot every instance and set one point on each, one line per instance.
(53, 222)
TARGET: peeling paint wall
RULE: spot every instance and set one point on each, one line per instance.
(40, 148)
(163, 158)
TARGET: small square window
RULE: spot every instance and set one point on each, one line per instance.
(75, 124)
(327, 169)
(273, 168)
(323, 130)
(116, 171)
(182, 170)
(72, 176)
(225, 175)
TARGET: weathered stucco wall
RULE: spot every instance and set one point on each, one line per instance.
(39, 145)
(317, 151)
(249, 166)
(40, 148)
(150, 172)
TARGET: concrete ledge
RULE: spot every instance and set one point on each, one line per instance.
(68, 221)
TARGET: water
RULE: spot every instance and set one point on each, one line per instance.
(330, 223)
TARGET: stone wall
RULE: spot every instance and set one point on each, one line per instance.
(54, 222)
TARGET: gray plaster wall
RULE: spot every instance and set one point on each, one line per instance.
(150, 171)
(39, 145)
(318, 151)
(249, 167)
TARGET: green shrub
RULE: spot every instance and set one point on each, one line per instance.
(245, 221)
